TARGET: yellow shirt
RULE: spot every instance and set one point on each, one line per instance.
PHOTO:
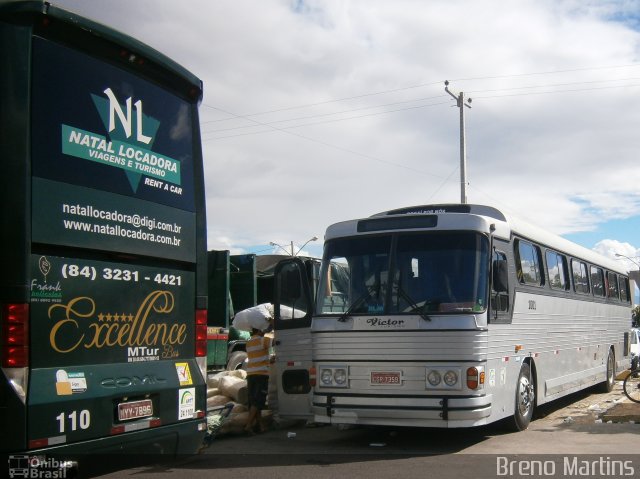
(258, 355)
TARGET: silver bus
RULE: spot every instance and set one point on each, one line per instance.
(446, 316)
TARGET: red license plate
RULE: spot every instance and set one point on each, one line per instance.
(385, 377)
(135, 409)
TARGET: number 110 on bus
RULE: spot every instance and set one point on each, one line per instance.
(83, 420)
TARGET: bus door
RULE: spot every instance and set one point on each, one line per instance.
(292, 342)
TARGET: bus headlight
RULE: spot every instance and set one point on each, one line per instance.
(434, 378)
(443, 377)
(450, 378)
(334, 376)
(326, 377)
(340, 377)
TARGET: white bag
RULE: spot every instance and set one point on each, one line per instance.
(287, 312)
(256, 317)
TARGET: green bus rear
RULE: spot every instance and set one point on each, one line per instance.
(103, 292)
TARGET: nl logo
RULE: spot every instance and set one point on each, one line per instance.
(128, 144)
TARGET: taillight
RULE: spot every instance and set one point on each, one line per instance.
(201, 333)
(15, 335)
(312, 376)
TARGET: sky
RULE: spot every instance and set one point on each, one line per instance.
(316, 112)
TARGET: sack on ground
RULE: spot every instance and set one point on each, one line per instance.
(235, 423)
(216, 401)
(234, 388)
(238, 373)
(238, 408)
(212, 381)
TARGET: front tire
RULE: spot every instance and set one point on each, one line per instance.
(525, 399)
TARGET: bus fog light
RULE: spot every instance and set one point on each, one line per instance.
(340, 377)
(434, 378)
(450, 378)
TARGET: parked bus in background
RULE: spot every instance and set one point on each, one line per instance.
(447, 316)
(103, 290)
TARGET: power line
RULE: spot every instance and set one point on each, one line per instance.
(552, 72)
(442, 184)
(557, 91)
(552, 85)
(333, 113)
(432, 83)
(336, 100)
(272, 128)
(339, 148)
(529, 87)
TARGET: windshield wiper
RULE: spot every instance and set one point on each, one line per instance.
(415, 308)
(356, 304)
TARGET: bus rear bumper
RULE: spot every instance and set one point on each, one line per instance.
(117, 451)
(444, 411)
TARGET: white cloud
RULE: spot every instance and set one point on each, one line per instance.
(567, 160)
(629, 255)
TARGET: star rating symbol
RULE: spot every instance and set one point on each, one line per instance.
(116, 318)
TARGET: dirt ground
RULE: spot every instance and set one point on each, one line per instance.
(592, 406)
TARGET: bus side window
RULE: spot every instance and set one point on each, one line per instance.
(580, 278)
(500, 287)
(557, 270)
(598, 282)
(624, 289)
(612, 283)
(528, 263)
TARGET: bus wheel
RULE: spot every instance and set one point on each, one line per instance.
(237, 360)
(525, 399)
(607, 385)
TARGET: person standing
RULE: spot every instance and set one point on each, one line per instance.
(258, 364)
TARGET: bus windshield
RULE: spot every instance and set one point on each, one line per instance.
(408, 273)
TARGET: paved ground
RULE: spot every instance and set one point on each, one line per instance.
(563, 426)
(586, 425)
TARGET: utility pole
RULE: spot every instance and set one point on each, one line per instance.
(293, 251)
(463, 147)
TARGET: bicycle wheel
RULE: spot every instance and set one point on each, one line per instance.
(631, 386)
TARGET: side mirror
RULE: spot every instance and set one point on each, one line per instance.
(500, 276)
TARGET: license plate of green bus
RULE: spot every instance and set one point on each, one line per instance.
(135, 409)
(385, 377)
